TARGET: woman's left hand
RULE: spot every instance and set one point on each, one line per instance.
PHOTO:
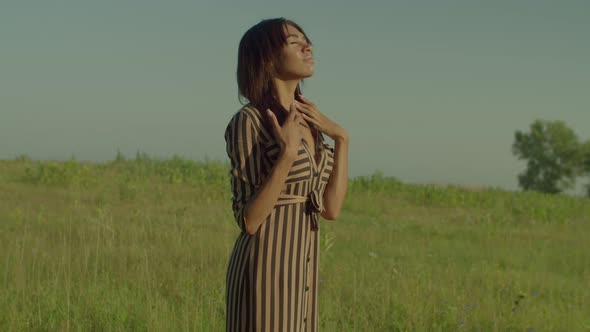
(311, 114)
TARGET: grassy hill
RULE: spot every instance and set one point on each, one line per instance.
(143, 245)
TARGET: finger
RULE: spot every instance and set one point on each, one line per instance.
(309, 118)
(303, 123)
(305, 113)
(305, 100)
(296, 117)
(273, 119)
(292, 112)
(304, 108)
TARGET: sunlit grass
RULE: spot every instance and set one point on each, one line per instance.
(143, 244)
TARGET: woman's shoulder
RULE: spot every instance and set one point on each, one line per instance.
(250, 116)
(247, 113)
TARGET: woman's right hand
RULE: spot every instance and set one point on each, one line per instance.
(290, 134)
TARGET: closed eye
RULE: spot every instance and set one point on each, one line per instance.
(302, 44)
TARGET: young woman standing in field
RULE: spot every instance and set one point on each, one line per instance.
(283, 177)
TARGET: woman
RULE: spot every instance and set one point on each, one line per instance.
(283, 177)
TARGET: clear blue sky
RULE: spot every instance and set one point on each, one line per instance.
(430, 91)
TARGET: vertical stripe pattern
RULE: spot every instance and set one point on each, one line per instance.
(272, 276)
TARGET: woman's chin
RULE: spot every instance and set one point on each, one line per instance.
(298, 75)
(307, 74)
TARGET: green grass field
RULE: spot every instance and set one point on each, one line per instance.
(143, 244)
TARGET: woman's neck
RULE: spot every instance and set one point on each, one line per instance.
(285, 92)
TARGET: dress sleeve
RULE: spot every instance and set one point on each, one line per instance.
(244, 149)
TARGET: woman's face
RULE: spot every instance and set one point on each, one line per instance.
(296, 56)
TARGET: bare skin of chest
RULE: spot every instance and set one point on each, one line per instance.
(310, 140)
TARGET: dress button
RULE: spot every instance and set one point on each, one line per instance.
(306, 288)
(305, 319)
(308, 258)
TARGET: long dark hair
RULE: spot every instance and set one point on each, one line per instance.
(258, 53)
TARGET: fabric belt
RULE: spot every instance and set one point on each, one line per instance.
(314, 205)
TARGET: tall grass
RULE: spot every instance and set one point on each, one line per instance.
(142, 244)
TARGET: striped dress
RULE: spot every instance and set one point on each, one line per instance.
(272, 276)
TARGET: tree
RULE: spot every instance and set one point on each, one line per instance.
(554, 156)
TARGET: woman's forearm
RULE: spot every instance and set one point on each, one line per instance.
(263, 201)
(338, 182)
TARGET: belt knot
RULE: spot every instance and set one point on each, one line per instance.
(314, 205)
